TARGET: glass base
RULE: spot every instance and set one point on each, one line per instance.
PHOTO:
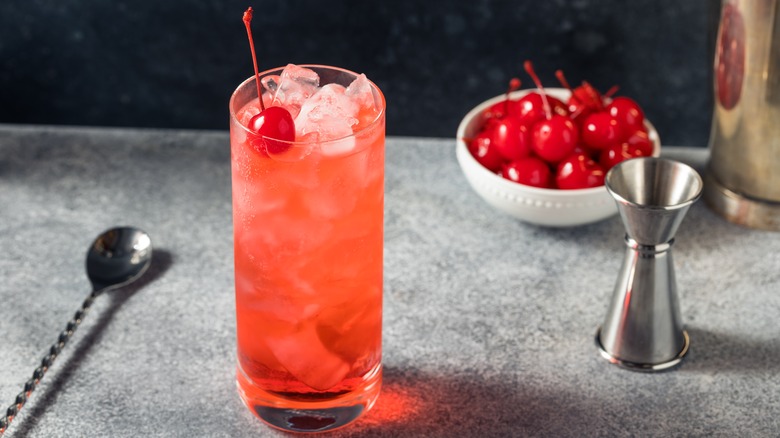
(313, 416)
(308, 420)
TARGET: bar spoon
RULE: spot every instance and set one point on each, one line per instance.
(116, 258)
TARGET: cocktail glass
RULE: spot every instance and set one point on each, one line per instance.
(308, 242)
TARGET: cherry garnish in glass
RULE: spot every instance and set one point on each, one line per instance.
(274, 125)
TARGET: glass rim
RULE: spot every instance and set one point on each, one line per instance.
(264, 73)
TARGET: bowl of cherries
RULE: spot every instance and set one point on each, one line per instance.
(541, 154)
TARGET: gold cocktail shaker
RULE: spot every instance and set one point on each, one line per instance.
(742, 180)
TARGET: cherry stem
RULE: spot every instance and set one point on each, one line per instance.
(247, 21)
(529, 68)
(593, 94)
(562, 80)
(611, 92)
(514, 84)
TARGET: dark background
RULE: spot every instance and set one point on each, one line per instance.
(174, 64)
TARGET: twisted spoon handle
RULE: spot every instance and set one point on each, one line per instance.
(46, 362)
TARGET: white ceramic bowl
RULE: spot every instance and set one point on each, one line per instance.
(546, 207)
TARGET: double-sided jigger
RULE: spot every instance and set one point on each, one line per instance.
(643, 329)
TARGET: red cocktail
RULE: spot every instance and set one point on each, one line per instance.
(308, 234)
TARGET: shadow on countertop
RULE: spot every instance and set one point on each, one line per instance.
(719, 351)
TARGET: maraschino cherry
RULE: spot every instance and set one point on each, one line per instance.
(507, 136)
(616, 153)
(484, 152)
(510, 138)
(538, 141)
(586, 97)
(530, 171)
(531, 108)
(628, 114)
(641, 140)
(600, 130)
(272, 123)
(577, 107)
(507, 106)
(554, 137)
(579, 171)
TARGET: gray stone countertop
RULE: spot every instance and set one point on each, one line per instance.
(488, 326)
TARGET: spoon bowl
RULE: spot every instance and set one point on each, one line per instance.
(118, 257)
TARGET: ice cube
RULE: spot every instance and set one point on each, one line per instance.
(353, 328)
(245, 114)
(271, 83)
(331, 100)
(296, 84)
(303, 354)
(301, 75)
(328, 206)
(361, 93)
(328, 115)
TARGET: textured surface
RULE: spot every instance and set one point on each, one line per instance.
(488, 327)
(174, 63)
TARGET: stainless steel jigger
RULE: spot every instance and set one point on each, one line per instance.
(643, 328)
